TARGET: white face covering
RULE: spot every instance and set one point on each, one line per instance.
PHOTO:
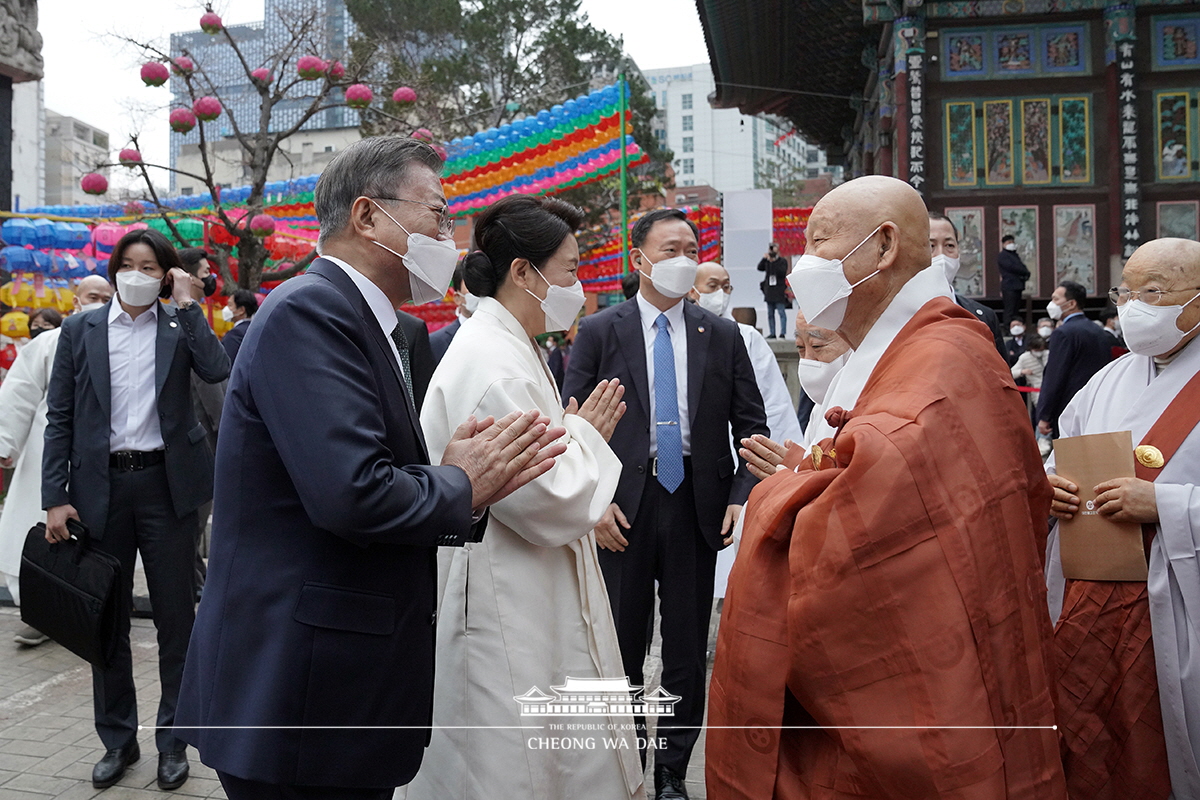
(822, 289)
(1151, 330)
(137, 288)
(89, 306)
(1054, 311)
(561, 305)
(1045, 332)
(717, 302)
(815, 376)
(1010, 246)
(672, 277)
(430, 263)
(227, 314)
(949, 265)
(470, 302)
(1017, 330)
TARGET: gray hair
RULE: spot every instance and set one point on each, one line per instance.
(370, 167)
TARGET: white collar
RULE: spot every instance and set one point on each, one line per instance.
(378, 302)
(115, 310)
(649, 313)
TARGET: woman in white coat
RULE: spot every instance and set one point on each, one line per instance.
(525, 611)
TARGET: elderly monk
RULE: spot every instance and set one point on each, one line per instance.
(1129, 653)
(883, 636)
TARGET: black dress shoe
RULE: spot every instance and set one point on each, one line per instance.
(172, 769)
(668, 785)
(109, 769)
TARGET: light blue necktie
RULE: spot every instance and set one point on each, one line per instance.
(666, 410)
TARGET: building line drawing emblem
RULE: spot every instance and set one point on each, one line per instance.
(597, 697)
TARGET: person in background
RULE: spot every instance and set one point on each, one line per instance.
(630, 283)
(125, 455)
(1013, 275)
(1112, 326)
(556, 358)
(42, 320)
(239, 310)
(1016, 343)
(22, 427)
(1078, 350)
(943, 247)
(1045, 327)
(1030, 365)
(774, 288)
(464, 305)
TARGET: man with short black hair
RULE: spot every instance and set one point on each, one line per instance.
(1013, 275)
(1078, 350)
(464, 306)
(241, 307)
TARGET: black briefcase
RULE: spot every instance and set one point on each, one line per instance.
(70, 592)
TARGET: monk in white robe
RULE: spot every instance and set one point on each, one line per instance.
(526, 608)
(1119, 724)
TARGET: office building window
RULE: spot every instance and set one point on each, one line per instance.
(687, 101)
(689, 166)
(688, 144)
(660, 134)
(687, 122)
(689, 183)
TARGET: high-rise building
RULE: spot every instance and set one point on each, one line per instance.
(724, 148)
(258, 42)
(73, 148)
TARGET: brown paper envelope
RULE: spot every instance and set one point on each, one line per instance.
(1092, 547)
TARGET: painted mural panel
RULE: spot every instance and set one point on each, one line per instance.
(1176, 42)
(998, 142)
(1064, 50)
(1014, 51)
(969, 222)
(1179, 218)
(960, 144)
(1174, 136)
(1035, 141)
(964, 54)
(1074, 140)
(1075, 245)
(1021, 222)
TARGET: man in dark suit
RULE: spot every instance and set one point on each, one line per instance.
(774, 288)
(125, 456)
(678, 496)
(1078, 349)
(943, 241)
(1013, 274)
(1016, 344)
(420, 355)
(464, 304)
(310, 672)
(239, 310)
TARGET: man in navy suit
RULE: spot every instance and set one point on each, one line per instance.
(679, 494)
(310, 671)
(241, 307)
(464, 304)
(1078, 350)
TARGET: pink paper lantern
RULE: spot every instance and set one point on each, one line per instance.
(129, 157)
(155, 73)
(207, 108)
(441, 151)
(183, 66)
(310, 68)
(404, 96)
(336, 71)
(182, 120)
(261, 75)
(359, 95)
(210, 23)
(262, 225)
(423, 135)
(94, 183)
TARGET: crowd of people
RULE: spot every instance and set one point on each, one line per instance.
(409, 531)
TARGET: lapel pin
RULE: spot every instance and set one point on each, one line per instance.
(173, 325)
(700, 329)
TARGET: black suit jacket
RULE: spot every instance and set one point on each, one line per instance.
(319, 604)
(79, 412)
(439, 340)
(233, 339)
(1013, 349)
(420, 356)
(721, 392)
(987, 317)
(1079, 348)
(1013, 272)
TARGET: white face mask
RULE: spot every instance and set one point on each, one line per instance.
(1054, 311)
(470, 302)
(717, 302)
(949, 265)
(1010, 246)
(672, 277)
(1018, 330)
(89, 307)
(822, 289)
(137, 288)
(227, 314)
(1152, 330)
(1045, 332)
(815, 376)
(561, 305)
(430, 263)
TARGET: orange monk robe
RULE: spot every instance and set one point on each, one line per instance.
(901, 588)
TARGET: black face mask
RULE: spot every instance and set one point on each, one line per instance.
(210, 284)
(35, 332)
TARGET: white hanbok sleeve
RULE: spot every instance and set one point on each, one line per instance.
(777, 401)
(563, 505)
(22, 392)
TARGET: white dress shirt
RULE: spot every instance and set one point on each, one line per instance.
(377, 301)
(678, 330)
(131, 363)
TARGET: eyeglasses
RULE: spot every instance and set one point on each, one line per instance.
(445, 222)
(1121, 295)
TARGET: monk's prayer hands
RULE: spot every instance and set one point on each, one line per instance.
(764, 457)
(1065, 502)
(603, 409)
(608, 530)
(1127, 500)
(501, 457)
(727, 525)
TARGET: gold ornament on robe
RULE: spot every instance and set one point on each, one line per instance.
(1149, 456)
(819, 455)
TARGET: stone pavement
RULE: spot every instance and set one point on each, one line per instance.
(48, 744)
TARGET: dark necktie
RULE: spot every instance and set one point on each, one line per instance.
(405, 363)
(666, 410)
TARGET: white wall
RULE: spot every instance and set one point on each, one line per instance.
(747, 230)
(28, 146)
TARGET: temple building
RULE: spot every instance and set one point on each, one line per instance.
(1069, 124)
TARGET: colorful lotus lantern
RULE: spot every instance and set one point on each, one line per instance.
(94, 183)
(129, 157)
(336, 71)
(261, 75)
(423, 135)
(262, 225)
(182, 66)
(134, 208)
(310, 68)
(155, 73)
(359, 95)
(441, 152)
(182, 120)
(404, 96)
(207, 108)
(210, 22)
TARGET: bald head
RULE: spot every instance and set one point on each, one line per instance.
(91, 290)
(889, 219)
(711, 276)
(1171, 266)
